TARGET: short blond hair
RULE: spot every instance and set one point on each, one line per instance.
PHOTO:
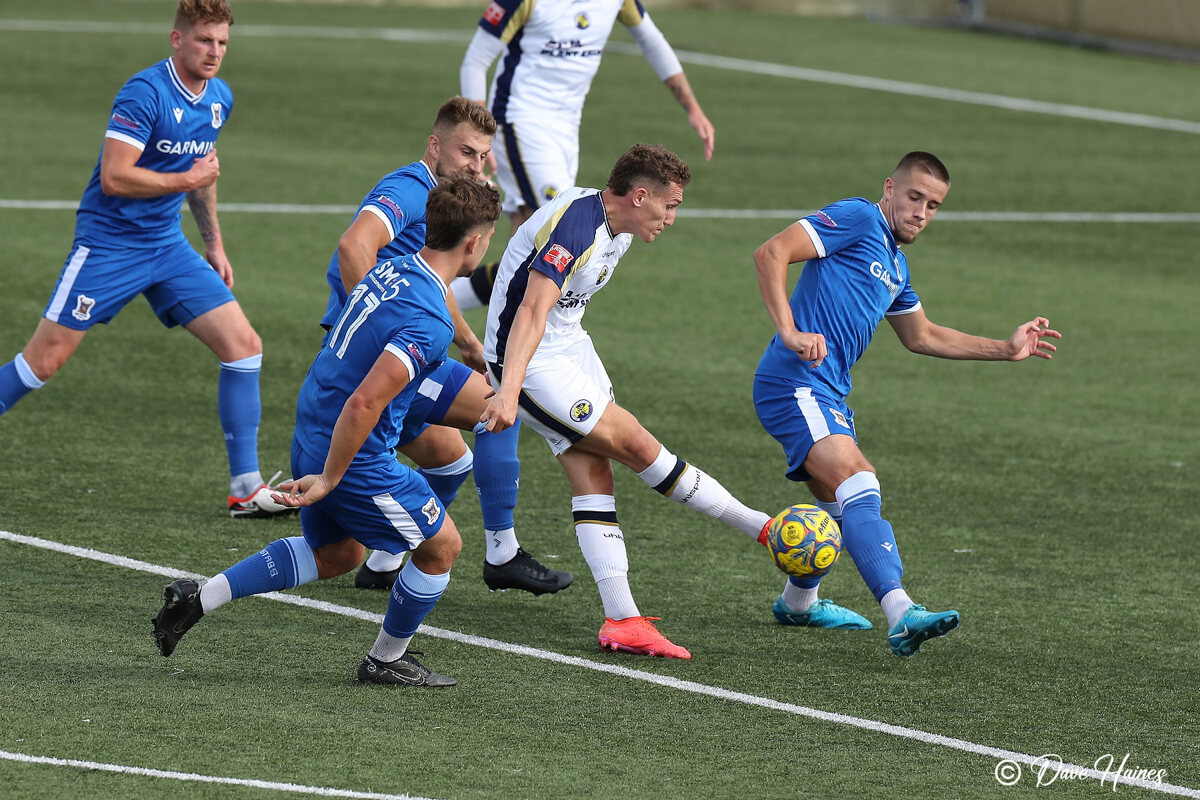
(458, 110)
(190, 12)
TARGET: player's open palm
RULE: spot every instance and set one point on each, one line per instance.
(1031, 338)
(302, 492)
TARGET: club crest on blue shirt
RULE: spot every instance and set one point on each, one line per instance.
(216, 112)
(581, 410)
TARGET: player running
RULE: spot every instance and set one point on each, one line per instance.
(160, 148)
(393, 332)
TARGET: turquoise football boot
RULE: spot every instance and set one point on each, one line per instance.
(821, 614)
(917, 625)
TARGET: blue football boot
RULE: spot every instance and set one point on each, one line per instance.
(917, 625)
(821, 614)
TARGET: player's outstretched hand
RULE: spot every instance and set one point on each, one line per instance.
(500, 413)
(809, 346)
(1030, 340)
(302, 492)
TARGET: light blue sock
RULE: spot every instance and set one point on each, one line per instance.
(834, 510)
(16, 381)
(282, 564)
(413, 597)
(867, 535)
(445, 480)
(240, 410)
(497, 476)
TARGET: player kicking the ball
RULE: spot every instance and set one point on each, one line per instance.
(855, 275)
(547, 373)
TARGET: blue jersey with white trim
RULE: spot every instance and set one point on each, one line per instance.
(859, 277)
(398, 200)
(172, 126)
(398, 308)
(570, 241)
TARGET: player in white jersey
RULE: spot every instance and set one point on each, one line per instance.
(547, 372)
(551, 51)
(160, 147)
(855, 276)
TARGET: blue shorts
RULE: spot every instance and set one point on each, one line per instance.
(99, 280)
(387, 506)
(798, 416)
(433, 399)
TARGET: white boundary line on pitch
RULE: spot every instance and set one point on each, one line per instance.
(827, 77)
(298, 788)
(633, 674)
(1110, 217)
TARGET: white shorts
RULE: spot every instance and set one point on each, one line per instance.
(564, 395)
(534, 162)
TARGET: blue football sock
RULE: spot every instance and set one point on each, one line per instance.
(497, 475)
(867, 536)
(445, 480)
(240, 409)
(413, 596)
(282, 564)
(16, 381)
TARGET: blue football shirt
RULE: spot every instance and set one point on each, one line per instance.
(859, 277)
(172, 126)
(399, 201)
(398, 308)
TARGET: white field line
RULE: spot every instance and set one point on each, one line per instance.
(1070, 217)
(298, 788)
(716, 692)
(766, 68)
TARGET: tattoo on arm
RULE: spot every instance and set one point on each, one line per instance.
(203, 204)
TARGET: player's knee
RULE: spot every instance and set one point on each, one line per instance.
(338, 559)
(438, 553)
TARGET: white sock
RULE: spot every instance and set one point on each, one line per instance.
(388, 648)
(673, 477)
(501, 546)
(383, 561)
(894, 604)
(242, 485)
(797, 598)
(833, 509)
(215, 593)
(603, 548)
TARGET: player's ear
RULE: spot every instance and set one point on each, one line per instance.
(639, 196)
(435, 145)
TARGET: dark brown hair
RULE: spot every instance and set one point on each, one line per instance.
(651, 165)
(926, 162)
(457, 207)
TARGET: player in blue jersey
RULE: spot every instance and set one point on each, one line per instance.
(855, 276)
(546, 370)
(391, 222)
(351, 489)
(159, 149)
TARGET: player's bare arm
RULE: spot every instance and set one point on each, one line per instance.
(682, 90)
(202, 203)
(919, 335)
(470, 349)
(529, 324)
(359, 247)
(771, 261)
(359, 415)
(120, 176)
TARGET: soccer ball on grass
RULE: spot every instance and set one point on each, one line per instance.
(804, 541)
